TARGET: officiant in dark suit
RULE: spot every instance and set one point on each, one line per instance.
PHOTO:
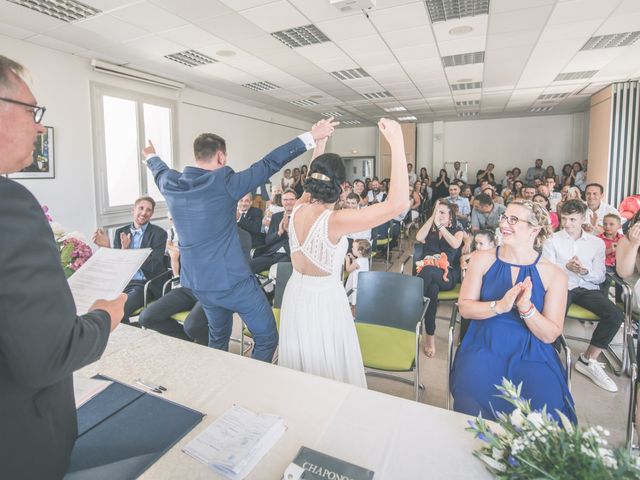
(42, 340)
(141, 233)
(250, 220)
(276, 247)
(203, 202)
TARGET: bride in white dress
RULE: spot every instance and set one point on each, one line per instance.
(317, 332)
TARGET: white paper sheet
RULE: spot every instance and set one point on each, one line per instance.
(105, 275)
(84, 388)
(234, 444)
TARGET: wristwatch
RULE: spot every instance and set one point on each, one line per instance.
(492, 305)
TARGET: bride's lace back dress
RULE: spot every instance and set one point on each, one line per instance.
(317, 333)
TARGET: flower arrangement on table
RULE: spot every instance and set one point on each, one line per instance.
(532, 444)
(74, 252)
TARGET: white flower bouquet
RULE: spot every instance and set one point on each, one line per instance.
(532, 444)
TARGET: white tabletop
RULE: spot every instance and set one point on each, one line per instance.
(396, 438)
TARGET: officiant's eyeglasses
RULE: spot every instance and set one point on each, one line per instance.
(38, 112)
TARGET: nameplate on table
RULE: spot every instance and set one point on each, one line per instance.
(315, 465)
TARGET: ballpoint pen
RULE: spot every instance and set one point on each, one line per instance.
(151, 386)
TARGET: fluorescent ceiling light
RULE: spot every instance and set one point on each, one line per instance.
(66, 10)
(444, 10)
(301, 36)
(191, 58)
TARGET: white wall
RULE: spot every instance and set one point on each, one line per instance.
(62, 83)
(354, 142)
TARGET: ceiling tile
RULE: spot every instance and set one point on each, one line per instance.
(109, 5)
(318, 11)
(409, 37)
(194, 9)
(154, 46)
(518, 20)
(245, 4)
(21, 17)
(274, 17)
(593, 59)
(501, 6)
(15, 32)
(400, 18)
(344, 28)
(190, 36)
(80, 37)
(54, 43)
(512, 39)
(148, 16)
(629, 22)
(581, 11)
(415, 53)
(112, 28)
(473, 72)
(230, 27)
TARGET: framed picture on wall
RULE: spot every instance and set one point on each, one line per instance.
(43, 165)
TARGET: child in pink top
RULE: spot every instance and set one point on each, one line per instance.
(611, 235)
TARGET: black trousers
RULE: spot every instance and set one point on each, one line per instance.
(433, 284)
(157, 316)
(264, 262)
(611, 317)
(135, 300)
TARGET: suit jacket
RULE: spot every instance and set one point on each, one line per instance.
(203, 204)
(154, 238)
(252, 223)
(42, 341)
(273, 241)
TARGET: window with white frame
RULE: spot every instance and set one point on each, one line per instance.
(123, 122)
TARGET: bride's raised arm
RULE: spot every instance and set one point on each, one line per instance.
(347, 221)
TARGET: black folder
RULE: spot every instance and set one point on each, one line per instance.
(122, 431)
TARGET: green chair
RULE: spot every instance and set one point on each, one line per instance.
(284, 271)
(563, 350)
(388, 321)
(619, 363)
(379, 242)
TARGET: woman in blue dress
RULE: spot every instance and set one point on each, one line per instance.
(516, 303)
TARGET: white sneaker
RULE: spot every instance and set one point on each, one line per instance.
(595, 371)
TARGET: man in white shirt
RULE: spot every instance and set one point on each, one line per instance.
(412, 175)
(582, 255)
(547, 191)
(464, 209)
(459, 173)
(375, 195)
(597, 209)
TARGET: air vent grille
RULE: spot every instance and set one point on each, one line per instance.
(463, 59)
(553, 96)
(468, 103)
(191, 58)
(261, 86)
(301, 36)
(443, 10)
(611, 41)
(304, 103)
(468, 114)
(540, 109)
(350, 122)
(466, 86)
(395, 109)
(350, 74)
(331, 114)
(575, 75)
(66, 10)
(407, 118)
(375, 95)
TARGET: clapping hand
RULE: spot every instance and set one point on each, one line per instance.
(506, 303)
(575, 265)
(100, 238)
(323, 129)
(523, 302)
(125, 240)
(634, 234)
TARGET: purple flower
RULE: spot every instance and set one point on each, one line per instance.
(512, 461)
(483, 437)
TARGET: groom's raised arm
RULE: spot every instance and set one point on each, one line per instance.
(239, 184)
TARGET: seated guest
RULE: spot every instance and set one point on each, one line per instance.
(276, 247)
(287, 179)
(544, 202)
(157, 315)
(480, 240)
(375, 194)
(534, 172)
(411, 174)
(482, 184)
(611, 235)
(582, 256)
(441, 185)
(527, 192)
(261, 196)
(566, 177)
(491, 191)
(550, 172)
(467, 192)
(250, 219)
(507, 196)
(486, 174)
(629, 206)
(274, 205)
(463, 208)
(353, 202)
(486, 215)
(597, 208)
(359, 189)
(515, 301)
(549, 191)
(579, 176)
(516, 172)
(355, 262)
(459, 173)
(440, 235)
(417, 200)
(507, 179)
(517, 188)
(140, 234)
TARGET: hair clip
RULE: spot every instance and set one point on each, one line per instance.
(320, 176)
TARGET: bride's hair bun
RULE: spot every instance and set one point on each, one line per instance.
(325, 178)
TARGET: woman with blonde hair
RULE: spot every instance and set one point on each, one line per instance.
(516, 303)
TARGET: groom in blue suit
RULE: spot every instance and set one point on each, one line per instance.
(202, 201)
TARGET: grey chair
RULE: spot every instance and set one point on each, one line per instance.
(389, 316)
(633, 391)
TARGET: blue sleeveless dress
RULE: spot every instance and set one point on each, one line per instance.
(503, 346)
